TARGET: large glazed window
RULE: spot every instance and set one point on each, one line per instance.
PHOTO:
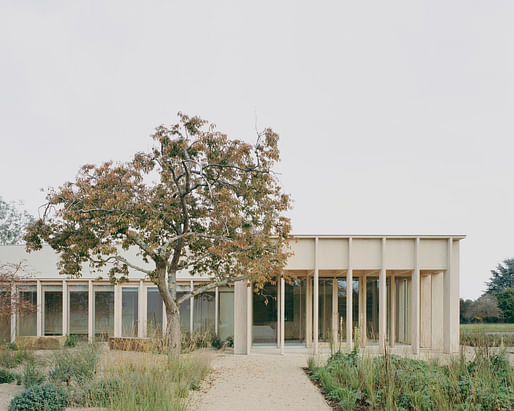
(5, 319)
(52, 310)
(341, 306)
(103, 312)
(264, 329)
(226, 313)
(78, 310)
(325, 309)
(184, 309)
(26, 322)
(294, 307)
(129, 310)
(372, 286)
(204, 312)
(402, 298)
(153, 313)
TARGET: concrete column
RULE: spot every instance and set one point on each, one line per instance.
(316, 298)
(282, 314)
(392, 317)
(241, 318)
(425, 307)
(415, 301)
(335, 314)
(308, 314)
(349, 297)
(216, 309)
(362, 309)
(39, 305)
(382, 302)
(438, 311)
(13, 313)
(141, 310)
(451, 299)
(90, 313)
(191, 309)
(118, 295)
(249, 318)
(64, 307)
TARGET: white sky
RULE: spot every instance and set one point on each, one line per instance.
(395, 116)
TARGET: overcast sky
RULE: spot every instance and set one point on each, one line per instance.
(395, 117)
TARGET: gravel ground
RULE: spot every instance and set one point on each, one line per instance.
(258, 382)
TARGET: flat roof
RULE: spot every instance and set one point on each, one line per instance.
(432, 236)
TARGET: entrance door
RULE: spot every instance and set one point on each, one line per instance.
(264, 329)
(294, 321)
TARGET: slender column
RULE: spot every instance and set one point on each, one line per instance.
(392, 318)
(308, 314)
(249, 314)
(216, 309)
(90, 313)
(316, 297)
(349, 296)
(415, 301)
(451, 299)
(64, 307)
(240, 317)
(335, 314)
(282, 314)
(382, 301)
(141, 310)
(118, 295)
(13, 313)
(191, 310)
(362, 308)
(279, 299)
(39, 312)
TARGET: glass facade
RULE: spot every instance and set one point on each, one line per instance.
(264, 328)
(204, 313)
(103, 312)
(5, 319)
(26, 322)
(154, 309)
(184, 309)
(78, 299)
(226, 312)
(129, 311)
(325, 309)
(341, 306)
(402, 312)
(52, 310)
(372, 305)
(294, 311)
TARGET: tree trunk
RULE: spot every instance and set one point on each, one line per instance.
(173, 333)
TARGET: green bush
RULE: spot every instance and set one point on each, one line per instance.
(230, 341)
(6, 377)
(32, 374)
(99, 393)
(392, 382)
(217, 342)
(71, 340)
(77, 366)
(11, 359)
(44, 397)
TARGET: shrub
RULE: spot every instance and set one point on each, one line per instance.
(98, 393)
(32, 374)
(75, 365)
(44, 397)
(6, 377)
(217, 342)
(71, 340)
(230, 342)
(11, 359)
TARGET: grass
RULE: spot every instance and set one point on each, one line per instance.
(392, 382)
(477, 334)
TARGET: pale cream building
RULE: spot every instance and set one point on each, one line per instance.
(404, 296)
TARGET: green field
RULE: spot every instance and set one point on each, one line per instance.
(479, 334)
(496, 327)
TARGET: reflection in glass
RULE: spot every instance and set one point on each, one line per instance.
(78, 314)
(226, 312)
(26, 322)
(52, 310)
(264, 329)
(294, 311)
(372, 305)
(129, 310)
(5, 319)
(153, 312)
(103, 312)
(325, 309)
(184, 309)
(402, 310)
(204, 312)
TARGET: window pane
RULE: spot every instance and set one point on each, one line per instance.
(129, 310)
(78, 314)
(153, 313)
(294, 311)
(184, 309)
(325, 309)
(341, 308)
(264, 329)
(104, 312)
(372, 308)
(203, 313)
(52, 310)
(26, 322)
(226, 313)
(5, 320)
(402, 310)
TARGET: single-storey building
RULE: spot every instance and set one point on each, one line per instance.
(385, 291)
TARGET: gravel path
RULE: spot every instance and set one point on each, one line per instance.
(258, 382)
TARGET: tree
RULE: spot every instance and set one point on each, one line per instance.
(11, 301)
(198, 201)
(12, 222)
(506, 303)
(502, 278)
(485, 309)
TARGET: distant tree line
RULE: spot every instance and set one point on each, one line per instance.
(497, 303)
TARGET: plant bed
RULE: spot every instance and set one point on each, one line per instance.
(131, 344)
(41, 343)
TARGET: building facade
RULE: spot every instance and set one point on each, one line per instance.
(385, 292)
